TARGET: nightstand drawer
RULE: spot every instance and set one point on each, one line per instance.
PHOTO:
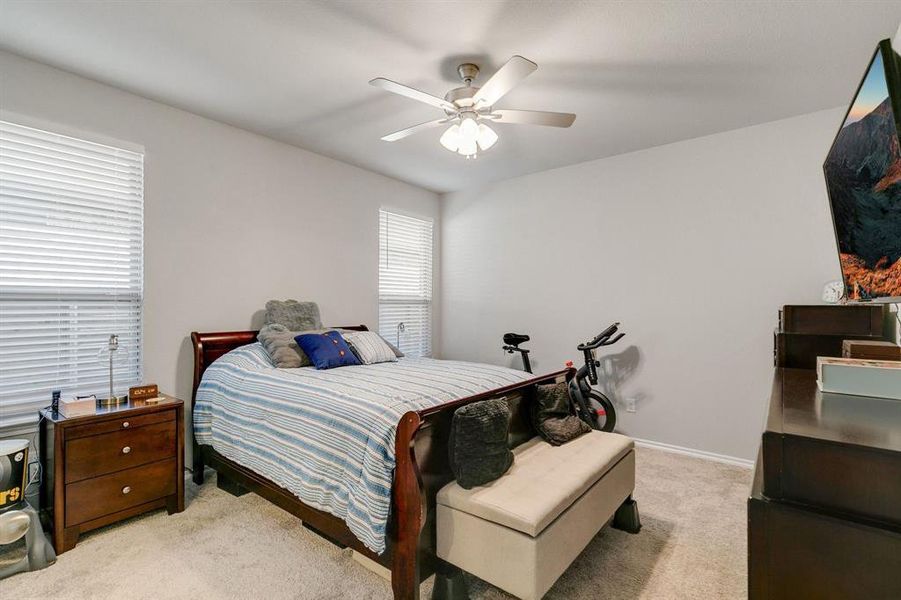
(122, 423)
(109, 452)
(93, 498)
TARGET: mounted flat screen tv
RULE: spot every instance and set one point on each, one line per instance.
(863, 179)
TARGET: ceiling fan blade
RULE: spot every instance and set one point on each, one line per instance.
(514, 70)
(405, 90)
(533, 117)
(399, 135)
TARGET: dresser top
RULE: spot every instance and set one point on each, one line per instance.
(136, 407)
(798, 408)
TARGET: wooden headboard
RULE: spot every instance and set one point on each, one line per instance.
(210, 346)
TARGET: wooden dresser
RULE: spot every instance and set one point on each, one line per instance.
(824, 514)
(102, 468)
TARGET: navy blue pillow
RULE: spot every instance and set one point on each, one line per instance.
(326, 350)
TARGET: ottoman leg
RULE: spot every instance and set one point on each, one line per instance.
(626, 517)
(449, 583)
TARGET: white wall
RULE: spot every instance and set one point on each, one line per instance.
(231, 218)
(694, 246)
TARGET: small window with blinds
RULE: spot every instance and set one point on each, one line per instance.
(405, 282)
(71, 268)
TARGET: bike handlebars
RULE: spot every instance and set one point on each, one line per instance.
(602, 339)
(605, 338)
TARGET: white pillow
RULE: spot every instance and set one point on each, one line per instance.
(369, 347)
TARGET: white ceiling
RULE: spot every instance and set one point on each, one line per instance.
(638, 74)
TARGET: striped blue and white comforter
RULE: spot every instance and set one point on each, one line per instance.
(328, 436)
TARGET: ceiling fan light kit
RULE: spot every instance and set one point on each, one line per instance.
(468, 137)
(468, 108)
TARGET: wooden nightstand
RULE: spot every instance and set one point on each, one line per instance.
(102, 468)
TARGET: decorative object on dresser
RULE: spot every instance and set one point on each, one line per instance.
(78, 406)
(833, 292)
(858, 377)
(871, 350)
(808, 331)
(124, 460)
(148, 393)
(824, 513)
(110, 351)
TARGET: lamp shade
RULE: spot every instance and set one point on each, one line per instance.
(450, 139)
(487, 137)
(469, 129)
(468, 146)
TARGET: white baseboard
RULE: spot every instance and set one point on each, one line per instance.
(729, 460)
(373, 566)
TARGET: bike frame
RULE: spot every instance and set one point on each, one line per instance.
(580, 389)
(526, 365)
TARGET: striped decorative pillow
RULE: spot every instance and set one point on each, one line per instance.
(369, 347)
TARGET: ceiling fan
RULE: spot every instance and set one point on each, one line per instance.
(470, 109)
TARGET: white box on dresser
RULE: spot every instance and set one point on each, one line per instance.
(878, 378)
(77, 407)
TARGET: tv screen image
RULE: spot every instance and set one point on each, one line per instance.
(863, 178)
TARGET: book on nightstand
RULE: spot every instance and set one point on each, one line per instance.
(857, 377)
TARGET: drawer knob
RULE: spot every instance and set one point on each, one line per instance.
(126, 489)
(126, 449)
(124, 423)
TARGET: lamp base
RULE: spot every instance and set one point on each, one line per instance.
(112, 401)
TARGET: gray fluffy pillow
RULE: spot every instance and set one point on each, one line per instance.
(278, 341)
(294, 315)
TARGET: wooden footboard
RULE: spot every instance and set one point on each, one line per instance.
(422, 468)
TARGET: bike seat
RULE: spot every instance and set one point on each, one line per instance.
(515, 338)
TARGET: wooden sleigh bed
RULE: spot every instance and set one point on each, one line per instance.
(422, 468)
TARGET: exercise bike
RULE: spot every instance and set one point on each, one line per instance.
(583, 397)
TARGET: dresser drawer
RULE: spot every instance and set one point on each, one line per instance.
(93, 498)
(119, 424)
(109, 452)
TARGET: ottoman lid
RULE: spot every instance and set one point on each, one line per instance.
(543, 482)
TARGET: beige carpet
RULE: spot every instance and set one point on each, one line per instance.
(692, 546)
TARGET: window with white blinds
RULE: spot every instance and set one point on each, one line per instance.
(405, 282)
(71, 268)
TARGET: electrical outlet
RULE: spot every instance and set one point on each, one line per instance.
(631, 405)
